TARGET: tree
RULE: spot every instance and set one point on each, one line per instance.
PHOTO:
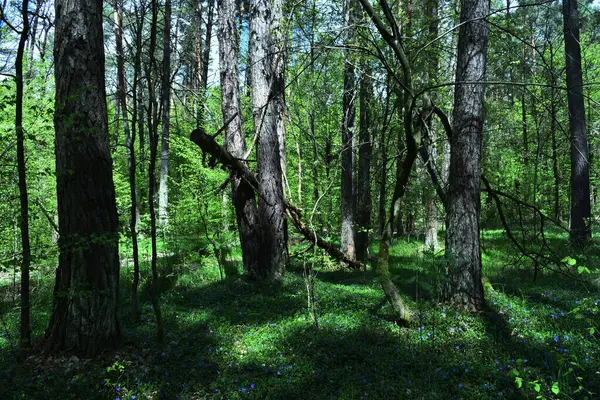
(84, 317)
(241, 192)
(365, 149)
(130, 145)
(153, 121)
(581, 233)
(23, 196)
(266, 51)
(463, 253)
(163, 182)
(348, 196)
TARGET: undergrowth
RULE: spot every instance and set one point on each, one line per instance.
(235, 339)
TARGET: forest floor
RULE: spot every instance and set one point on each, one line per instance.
(235, 339)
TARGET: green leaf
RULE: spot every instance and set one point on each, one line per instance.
(555, 388)
(537, 387)
(591, 330)
(519, 381)
(571, 261)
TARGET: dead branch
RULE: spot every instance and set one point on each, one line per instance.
(221, 156)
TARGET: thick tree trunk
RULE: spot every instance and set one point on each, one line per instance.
(581, 233)
(163, 182)
(84, 318)
(463, 254)
(363, 207)
(23, 196)
(348, 197)
(267, 103)
(242, 194)
(129, 144)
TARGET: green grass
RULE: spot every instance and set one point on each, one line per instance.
(235, 339)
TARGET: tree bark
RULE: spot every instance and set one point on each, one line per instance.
(163, 182)
(348, 187)
(25, 326)
(267, 103)
(242, 193)
(581, 233)
(463, 254)
(84, 317)
(431, 226)
(364, 203)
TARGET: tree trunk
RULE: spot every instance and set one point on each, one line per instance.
(431, 225)
(463, 254)
(267, 99)
(363, 208)
(163, 185)
(348, 197)
(84, 318)
(129, 144)
(153, 135)
(581, 233)
(23, 196)
(242, 194)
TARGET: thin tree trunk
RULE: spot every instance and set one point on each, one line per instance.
(365, 150)
(153, 134)
(129, 144)
(84, 318)
(581, 234)
(163, 185)
(242, 194)
(23, 197)
(431, 226)
(463, 253)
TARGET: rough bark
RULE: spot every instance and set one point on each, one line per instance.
(267, 99)
(348, 186)
(163, 182)
(463, 254)
(581, 233)
(242, 193)
(84, 317)
(129, 144)
(25, 327)
(364, 203)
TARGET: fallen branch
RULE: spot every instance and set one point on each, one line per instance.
(221, 156)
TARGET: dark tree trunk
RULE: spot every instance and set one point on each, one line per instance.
(163, 182)
(235, 143)
(581, 233)
(139, 94)
(363, 207)
(382, 182)
(348, 197)
(84, 317)
(129, 144)
(23, 197)
(153, 121)
(267, 100)
(463, 254)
